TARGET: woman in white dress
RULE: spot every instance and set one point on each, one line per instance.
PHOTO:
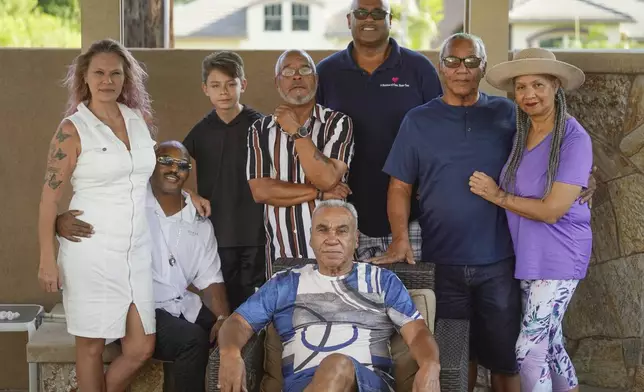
(104, 148)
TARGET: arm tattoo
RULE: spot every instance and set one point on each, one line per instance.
(60, 155)
(321, 157)
(56, 154)
(50, 177)
(61, 136)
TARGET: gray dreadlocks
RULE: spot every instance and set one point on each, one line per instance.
(523, 126)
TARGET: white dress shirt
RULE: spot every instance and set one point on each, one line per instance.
(189, 241)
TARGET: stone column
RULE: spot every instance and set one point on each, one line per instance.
(604, 325)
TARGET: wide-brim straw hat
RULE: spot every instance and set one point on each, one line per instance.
(534, 61)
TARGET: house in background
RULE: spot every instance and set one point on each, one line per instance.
(263, 24)
(575, 23)
(321, 24)
(259, 24)
(560, 23)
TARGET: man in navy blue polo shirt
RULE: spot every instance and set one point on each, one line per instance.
(440, 145)
(375, 82)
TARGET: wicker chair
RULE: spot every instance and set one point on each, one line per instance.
(452, 336)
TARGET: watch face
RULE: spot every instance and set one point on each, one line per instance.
(303, 131)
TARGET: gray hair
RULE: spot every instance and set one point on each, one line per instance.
(338, 204)
(520, 140)
(280, 60)
(476, 41)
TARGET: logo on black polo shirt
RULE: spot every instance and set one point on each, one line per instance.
(394, 83)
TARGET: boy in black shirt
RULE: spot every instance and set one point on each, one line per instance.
(218, 146)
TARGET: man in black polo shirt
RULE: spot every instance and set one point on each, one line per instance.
(375, 82)
(217, 144)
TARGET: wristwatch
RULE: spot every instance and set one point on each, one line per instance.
(301, 132)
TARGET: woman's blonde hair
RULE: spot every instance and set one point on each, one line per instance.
(134, 95)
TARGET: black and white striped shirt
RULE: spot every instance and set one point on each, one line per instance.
(271, 154)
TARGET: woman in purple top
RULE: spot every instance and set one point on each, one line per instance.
(540, 188)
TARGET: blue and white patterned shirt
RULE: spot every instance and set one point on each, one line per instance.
(317, 315)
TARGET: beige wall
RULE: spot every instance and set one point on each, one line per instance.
(207, 43)
(31, 105)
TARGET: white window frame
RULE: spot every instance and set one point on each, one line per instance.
(272, 17)
(301, 13)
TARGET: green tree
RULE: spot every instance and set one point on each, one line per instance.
(23, 23)
(423, 17)
(68, 10)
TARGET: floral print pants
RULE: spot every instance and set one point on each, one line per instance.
(544, 364)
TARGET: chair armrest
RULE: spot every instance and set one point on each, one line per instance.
(453, 338)
(253, 355)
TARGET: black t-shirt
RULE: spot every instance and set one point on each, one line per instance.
(220, 151)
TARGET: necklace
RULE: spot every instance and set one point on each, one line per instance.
(171, 260)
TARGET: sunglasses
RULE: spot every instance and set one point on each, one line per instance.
(455, 62)
(169, 161)
(290, 72)
(376, 14)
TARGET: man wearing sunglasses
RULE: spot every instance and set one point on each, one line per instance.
(375, 82)
(439, 145)
(184, 253)
(297, 157)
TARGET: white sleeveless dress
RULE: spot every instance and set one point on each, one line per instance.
(104, 274)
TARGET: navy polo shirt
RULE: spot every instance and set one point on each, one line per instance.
(377, 104)
(440, 146)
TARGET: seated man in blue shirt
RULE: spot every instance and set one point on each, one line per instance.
(335, 318)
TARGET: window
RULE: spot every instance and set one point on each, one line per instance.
(300, 17)
(555, 42)
(273, 17)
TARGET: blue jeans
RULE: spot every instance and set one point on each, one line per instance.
(489, 296)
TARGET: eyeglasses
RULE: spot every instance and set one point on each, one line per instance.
(455, 62)
(169, 161)
(376, 14)
(290, 72)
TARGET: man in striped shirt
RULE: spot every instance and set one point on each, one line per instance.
(297, 156)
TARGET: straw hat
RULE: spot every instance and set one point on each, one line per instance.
(534, 61)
